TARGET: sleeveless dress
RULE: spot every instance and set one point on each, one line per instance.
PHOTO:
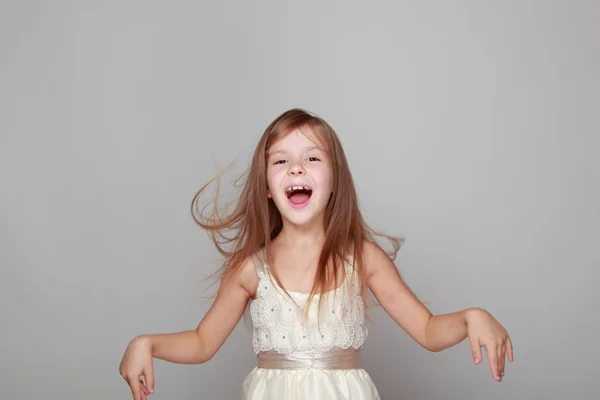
(302, 359)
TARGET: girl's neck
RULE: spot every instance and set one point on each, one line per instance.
(307, 236)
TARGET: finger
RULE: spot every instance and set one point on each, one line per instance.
(136, 390)
(149, 373)
(501, 355)
(509, 349)
(475, 350)
(493, 360)
(144, 388)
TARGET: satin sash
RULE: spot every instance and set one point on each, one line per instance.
(336, 358)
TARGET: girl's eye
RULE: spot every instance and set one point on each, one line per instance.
(279, 162)
(313, 159)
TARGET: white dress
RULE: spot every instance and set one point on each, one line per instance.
(302, 361)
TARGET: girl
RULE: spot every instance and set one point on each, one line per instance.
(302, 257)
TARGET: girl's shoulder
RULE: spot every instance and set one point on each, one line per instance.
(246, 275)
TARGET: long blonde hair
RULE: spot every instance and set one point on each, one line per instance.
(255, 220)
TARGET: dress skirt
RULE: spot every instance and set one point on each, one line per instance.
(308, 384)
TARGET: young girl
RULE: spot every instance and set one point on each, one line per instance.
(302, 257)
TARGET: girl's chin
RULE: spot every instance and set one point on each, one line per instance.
(302, 220)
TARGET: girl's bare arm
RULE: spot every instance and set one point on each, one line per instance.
(435, 332)
(200, 345)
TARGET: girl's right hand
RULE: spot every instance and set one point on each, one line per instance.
(137, 363)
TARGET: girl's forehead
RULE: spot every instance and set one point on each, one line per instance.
(300, 139)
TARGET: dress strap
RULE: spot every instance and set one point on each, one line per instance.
(351, 274)
(259, 264)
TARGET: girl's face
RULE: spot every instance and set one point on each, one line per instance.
(299, 178)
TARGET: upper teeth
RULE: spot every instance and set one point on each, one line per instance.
(297, 188)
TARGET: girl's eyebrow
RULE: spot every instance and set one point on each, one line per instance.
(270, 153)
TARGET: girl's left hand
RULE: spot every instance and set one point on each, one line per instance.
(484, 331)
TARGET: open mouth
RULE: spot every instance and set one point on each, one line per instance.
(298, 195)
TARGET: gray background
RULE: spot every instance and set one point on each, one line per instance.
(471, 129)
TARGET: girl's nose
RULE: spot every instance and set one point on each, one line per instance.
(296, 170)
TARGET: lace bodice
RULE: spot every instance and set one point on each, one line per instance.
(278, 321)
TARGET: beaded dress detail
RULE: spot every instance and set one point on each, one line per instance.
(278, 324)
